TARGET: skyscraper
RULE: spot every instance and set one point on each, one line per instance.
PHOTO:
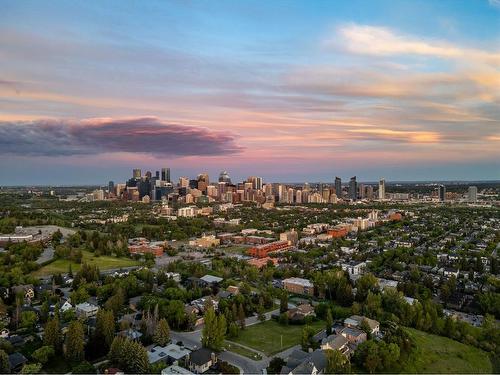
(338, 187)
(137, 174)
(224, 177)
(165, 174)
(353, 189)
(442, 193)
(381, 189)
(472, 196)
(111, 187)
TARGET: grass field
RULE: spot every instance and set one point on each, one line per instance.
(103, 262)
(235, 348)
(438, 355)
(271, 337)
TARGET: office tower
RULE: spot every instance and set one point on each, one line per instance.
(256, 182)
(307, 187)
(361, 191)
(369, 192)
(282, 193)
(381, 189)
(326, 194)
(165, 174)
(268, 189)
(338, 187)
(353, 189)
(442, 193)
(111, 187)
(290, 195)
(157, 175)
(298, 196)
(472, 194)
(203, 181)
(148, 175)
(183, 182)
(137, 174)
(224, 177)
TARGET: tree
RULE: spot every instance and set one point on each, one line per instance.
(233, 330)
(336, 362)
(115, 302)
(75, 341)
(284, 302)
(307, 335)
(130, 356)
(329, 322)
(365, 284)
(28, 320)
(32, 368)
(84, 368)
(105, 327)
(241, 316)
(52, 334)
(4, 363)
(43, 354)
(275, 365)
(214, 331)
(56, 237)
(162, 335)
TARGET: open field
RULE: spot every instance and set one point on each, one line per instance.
(231, 346)
(103, 262)
(438, 355)
(271, 337)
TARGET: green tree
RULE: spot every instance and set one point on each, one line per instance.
(28, 320)
(105, 327)
(31, 368)
(75, 341)
(329, 322)
(275, 365)
(84, 368)
(130, 356)
(4, 363)
(284, 302)
(43, 354)
(307, 335)
(336, 362)
(52, 334)
(162, 334)
(214, 331)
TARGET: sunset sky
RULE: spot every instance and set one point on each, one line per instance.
(288, 90)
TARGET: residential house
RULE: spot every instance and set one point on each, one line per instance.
(354, 321)
(86, 310)
(335, 342)
(17, 361)
(354, 335)
(201, 360)
(167, 354)
(300, 362)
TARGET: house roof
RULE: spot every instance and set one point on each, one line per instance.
(16, 359)
(335, 341)
(211, 279)
(173, 351)
(201, 356)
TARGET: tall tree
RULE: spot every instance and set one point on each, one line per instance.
(162, 335)
(214, 330)
(105, 327)
(329, 322)
(337, 363)
(75, 341)
(129, 356)
(52, 334)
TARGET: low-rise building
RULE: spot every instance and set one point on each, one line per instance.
(298, 285)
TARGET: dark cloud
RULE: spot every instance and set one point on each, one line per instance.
(96, 136)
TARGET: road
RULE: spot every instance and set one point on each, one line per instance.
(47, 254)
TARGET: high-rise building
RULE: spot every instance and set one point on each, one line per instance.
(442, 193)
(111, 187)
(472, 196)
(282, 193)
(224, 177)
(361, 191)
(203, 181)
(369, 192)
(353, 189)
(183, 182)
(165, 174)
(137, 173)
(338, 187)
(381, 189)
(256, 182)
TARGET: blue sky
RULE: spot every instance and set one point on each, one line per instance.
(290, 90)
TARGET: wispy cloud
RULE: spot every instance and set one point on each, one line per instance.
(374, 40)
(96, 136)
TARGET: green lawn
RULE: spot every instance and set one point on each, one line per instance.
(232, 347)
(103, 262)
(271, 337)
(439, 355)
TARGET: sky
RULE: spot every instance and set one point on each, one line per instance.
(287, 90)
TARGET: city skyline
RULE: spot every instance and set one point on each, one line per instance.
(291, 91)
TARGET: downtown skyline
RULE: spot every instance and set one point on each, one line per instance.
(293, 91)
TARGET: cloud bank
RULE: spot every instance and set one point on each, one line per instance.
(96, 136)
